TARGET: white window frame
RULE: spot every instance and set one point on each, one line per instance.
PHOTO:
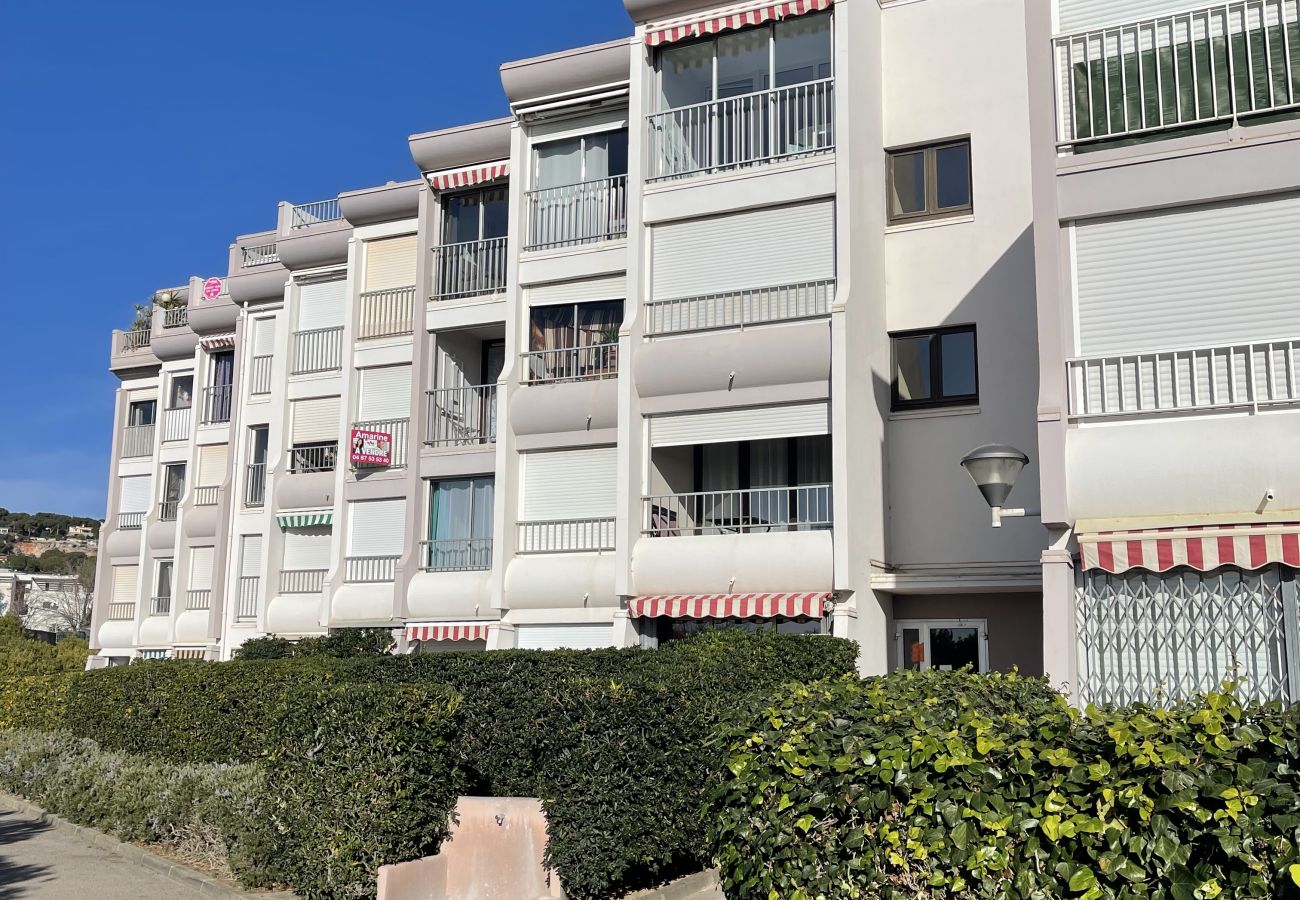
(924, 626)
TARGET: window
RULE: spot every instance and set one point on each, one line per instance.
(475, 215)
(929, 182)
(173, 488)
(142, 412)
(941, 644)
(181, 394)
(573, 341)
(460, 524)
(591, 157)
(935, 368)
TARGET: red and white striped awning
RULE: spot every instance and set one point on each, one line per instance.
(463, 178)
(729, 606)
(218, 342)
(464, 631)
(1202, 547)
(733, 17)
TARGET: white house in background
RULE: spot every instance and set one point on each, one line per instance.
(45, 595)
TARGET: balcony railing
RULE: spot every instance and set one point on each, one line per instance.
(260, 375)
(258, 255)
(305, 214)
(137, 440)
(121, 612)
(302, 581)
(398, 428)
(469, 269)
(387, 313)
(198, 598)
(207, 496)
(1215, 63)
(176, 316)
(321, 457)
(176, 424)
(318, 350)
(1233, 376)
(456, 555)
(370, 569)
(249, 588)
(751, 511)
(216, 404)
(130, 521)
(167, 510)
(566, 536)
(135, 339)
(572, 363)
(255, 485)
(160, 606)
(580, 213)
(737, 309)
(462, 416)
(741, 131)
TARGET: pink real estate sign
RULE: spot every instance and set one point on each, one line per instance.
(371, 448)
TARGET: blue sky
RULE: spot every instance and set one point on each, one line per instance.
(138, 138)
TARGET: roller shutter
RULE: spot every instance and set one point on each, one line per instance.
(315, 420)
(390, 263)
(321, 304)
(607, 287)
(135, 494)
(142, 396)
(250, 555)
(752, 249)
(201, 561)
(1199, 276)
(557, 637)
(720, 426)
(307, 548)
(1077, 15)
(126, 582)
(376, 527)
(264, 336)
(385, 393)
(570, 484)
(213, 462)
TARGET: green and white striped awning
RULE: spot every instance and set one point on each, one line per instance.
(305, 519)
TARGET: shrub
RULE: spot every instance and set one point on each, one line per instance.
(342, 643)
(34, 701)
(20, 655)
(953, 785)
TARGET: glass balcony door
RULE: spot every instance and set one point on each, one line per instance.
(460, 524)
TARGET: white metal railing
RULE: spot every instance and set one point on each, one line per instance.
(398, 428)
(176, 316)
(135, 339)
(462, 416)
(1209, 64)
(137, 440)
(1233, 376)
(370, 569)
(456, 555)
(469, 269)
(198, 598)
(216, 404)
(317, 350)
(580, 213)
(176, 424)
(571, 363)
(255, 485)
(566, 536)
(320, 457)
(118, 612)
(130, 521)
(167, 510)
(302, 581)
(746, 130)
(160, 606)
(764, 510)
(260, 376)
(207, 496)
(249, 588)
(304, 214)
(736, 309)
(387, 313)
(258, 255)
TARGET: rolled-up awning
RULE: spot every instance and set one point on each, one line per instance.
(218, 342)
(468, 177)
(730, 606)
(1200, 547)
(307, 519)
(739, 16)
(462, 631)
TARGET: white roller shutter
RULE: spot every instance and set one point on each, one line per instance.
(753, 249)
(557, 637)
(321, 304)
(570, 484)
(250, 555)
(142, 396)
(315, 420)
(135, 494)
(385, 393)
(754, 424)
(307, 548)
(201, 562)
(264, 336)
(1077, 15)
(607, 287)
(126, 581)
(213, 460)
(390, 263)
(1200, 276)
(376, 527)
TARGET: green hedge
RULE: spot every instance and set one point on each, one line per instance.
(953, 785)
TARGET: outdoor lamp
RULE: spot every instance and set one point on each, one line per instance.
(994, 468)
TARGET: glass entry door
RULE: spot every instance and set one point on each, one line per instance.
(943, 644)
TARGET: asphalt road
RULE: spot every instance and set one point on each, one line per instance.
(39, 863)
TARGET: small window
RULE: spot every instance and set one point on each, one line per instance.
(935, 368)
(929, 182)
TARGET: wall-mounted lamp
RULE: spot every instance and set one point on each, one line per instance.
(994, 468)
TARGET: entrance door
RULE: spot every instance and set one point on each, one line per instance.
(943, 644)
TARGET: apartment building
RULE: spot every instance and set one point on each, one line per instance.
(665, 348)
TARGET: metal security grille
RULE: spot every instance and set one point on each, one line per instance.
(1153, 638)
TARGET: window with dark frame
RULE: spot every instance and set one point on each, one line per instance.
(935, 368)
(929, 182)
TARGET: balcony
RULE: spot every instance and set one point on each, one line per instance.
(176, 317)
(130, 521)
(388, 313)
(749, 511)
(739, 309)
(322, 457)
(255, 485)
(160, 606)
(751, 129)
(258, 255)
(1225, 63)
(176, 424)
(249, 588)
(167, 510)
(121, 612)
(469, 269)
(200, 598)
(462, 416)
(302, 581)
(398, 428)
(207, 496)
(575, 214)
(1247, 376)
(588, 363)
(137, 440)
(133, 340)
(370, 569)
(456, 555)
(318, 350)
(260, 375)
(566, 536)
(304, 215)
(216, 404)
